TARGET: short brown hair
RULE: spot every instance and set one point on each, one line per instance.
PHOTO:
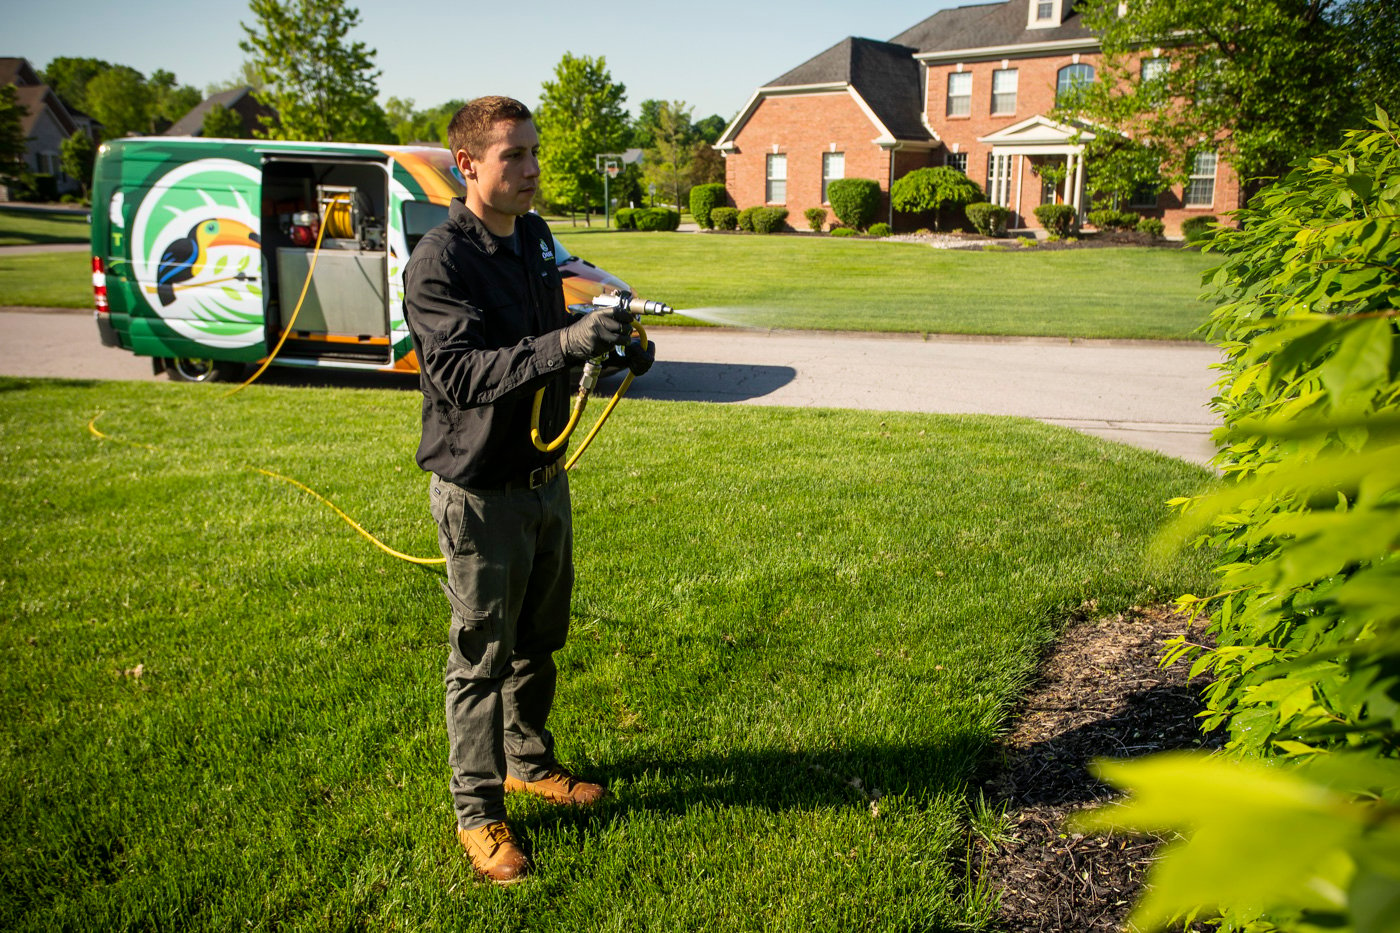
(471, 126)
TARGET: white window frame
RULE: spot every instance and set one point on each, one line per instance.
(1044, 9)
(957, 160)
(1063, 83)
(963, 99)
(1200, 188)
(1149, 69)
(1000, 105)
(830, 160)
(776, 184)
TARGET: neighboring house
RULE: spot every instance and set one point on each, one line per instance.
(253, 113)
(46, 123)
(980, 82)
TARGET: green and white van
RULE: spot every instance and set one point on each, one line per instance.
(201, 250)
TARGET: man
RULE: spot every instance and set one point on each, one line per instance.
(486, 308)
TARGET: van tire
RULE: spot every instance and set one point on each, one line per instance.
(188, 369)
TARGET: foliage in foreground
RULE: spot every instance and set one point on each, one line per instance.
(794, 633)
(1307, 618)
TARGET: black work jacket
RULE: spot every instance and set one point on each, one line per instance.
(483, 320)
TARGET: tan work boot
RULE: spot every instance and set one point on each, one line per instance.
(494, 852)
(559, 786)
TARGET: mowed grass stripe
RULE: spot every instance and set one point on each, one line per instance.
(795, 633)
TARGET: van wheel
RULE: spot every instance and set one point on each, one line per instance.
(188, 369)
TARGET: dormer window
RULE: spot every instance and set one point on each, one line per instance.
(1045, 14)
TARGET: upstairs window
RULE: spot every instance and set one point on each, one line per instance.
(1200, 190)
(1045, 9)
(1004, 91)
(833, 167)
(1071, 78)
(776, 192)
(960, 94)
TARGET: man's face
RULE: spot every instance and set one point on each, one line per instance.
(502, 180)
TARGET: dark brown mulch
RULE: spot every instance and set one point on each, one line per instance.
(1101, 694)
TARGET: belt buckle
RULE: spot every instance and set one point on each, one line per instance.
(539, 477)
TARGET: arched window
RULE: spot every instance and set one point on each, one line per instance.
(1071, 77)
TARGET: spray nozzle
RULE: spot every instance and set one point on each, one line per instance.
(634, 306)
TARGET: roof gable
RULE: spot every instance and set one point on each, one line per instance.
(1040, 131)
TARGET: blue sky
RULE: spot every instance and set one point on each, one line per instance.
(712, 60)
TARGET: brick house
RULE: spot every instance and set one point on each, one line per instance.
(251, 112)
(971, 87)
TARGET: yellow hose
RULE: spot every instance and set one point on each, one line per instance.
(305, 286)
(578, 411)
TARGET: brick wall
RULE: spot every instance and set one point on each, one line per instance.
(803, 127)
(1036, 82)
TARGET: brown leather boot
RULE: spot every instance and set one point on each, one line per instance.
(559, 786)
(494, 852)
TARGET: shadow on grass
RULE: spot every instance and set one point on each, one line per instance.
(707, 382)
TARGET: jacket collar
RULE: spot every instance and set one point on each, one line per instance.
(470, 226)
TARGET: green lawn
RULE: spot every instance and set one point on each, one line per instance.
(870, 285)
(795, 633)
(24, 227)
(833, 284)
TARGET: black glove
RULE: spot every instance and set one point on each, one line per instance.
(596, 334)
(639, 360)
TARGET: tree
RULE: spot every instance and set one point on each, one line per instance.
(1260, 83)
(321, 85)
(247, 76)
(69, 78)
(933, 189)
(222, 123)
(169, 100)
(78, 153)
(12, 144)
(121, 101)
(420, 126)
(673, 146)
(580, 115)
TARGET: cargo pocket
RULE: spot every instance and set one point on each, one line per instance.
(471, 636)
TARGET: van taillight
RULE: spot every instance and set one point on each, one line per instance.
(99, 286)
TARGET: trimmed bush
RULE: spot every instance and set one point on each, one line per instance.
(1104, 218)
(1152, 227)
(769, 219)
(1198, 229)
(879, 230)
(746, 218)
(988, 219)
(725, 218)
(854, 201)
(843, 231)
(1057, 219)
(658, 218)
(625, 218)
(703, 200)
(934, 189)
(816, 218)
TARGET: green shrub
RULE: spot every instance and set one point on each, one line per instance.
(988, 219)
(1026, 240)
(933, 189)
(816, 218)
(1198, 229)
(725, 218)
(1152, 227)
(1305, 668)
(854, 201)
(746, 218)
(769, 219)
(1127, 220)
(703, 200)
(1105, 218)
(658, 218)
(880, 229)
(993, 248)
(1057, 219)
(625, 218)
(923, 231)
(844, 231)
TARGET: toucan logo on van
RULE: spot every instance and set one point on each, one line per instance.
(196, 253)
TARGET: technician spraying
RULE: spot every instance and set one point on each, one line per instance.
(486, 308)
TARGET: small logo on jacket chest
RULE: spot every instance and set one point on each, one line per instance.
(546, 253)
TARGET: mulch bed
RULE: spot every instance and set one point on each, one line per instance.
(1100, 694)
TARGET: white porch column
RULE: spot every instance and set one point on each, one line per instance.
(1078, 184)
(1020, 173)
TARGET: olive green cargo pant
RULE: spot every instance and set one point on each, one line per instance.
(510, 575)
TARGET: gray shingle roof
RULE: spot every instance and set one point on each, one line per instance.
(986, 25)
(884, 74)
(192, 123)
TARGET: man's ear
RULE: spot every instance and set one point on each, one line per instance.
(464, 163)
